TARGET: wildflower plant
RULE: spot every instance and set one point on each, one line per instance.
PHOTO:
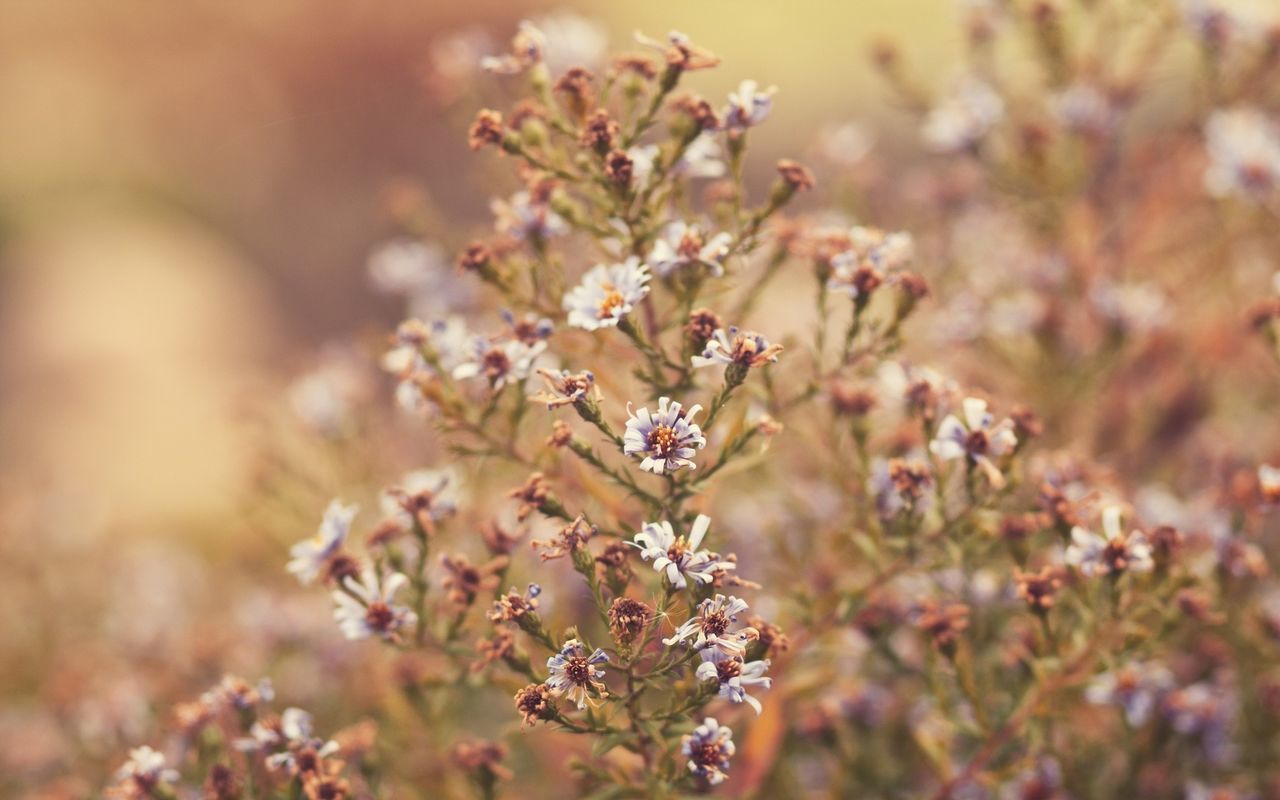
(909, 589)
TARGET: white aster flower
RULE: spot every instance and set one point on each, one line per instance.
(574, 674)
(960, 120)
(703, 158)
(527, 48)
(571, 40)
(526, 216)
(708, 750)
(424, 496)
(680, 558)
(366, 608)
(408, 267)
(748, 106)
(1135, 687)
(734, 676)
(872, 254)
(1244, 154)
(978, 439)
(608, 293)
(665, 440)
(311, 555)
(682, 245)
(710, 627)
(1117, 552)
(500, 362)
(146, 770)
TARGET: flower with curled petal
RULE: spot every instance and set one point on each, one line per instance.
(1113, 553)
(743, 348)
(680, 558)
(748, 106)
(682, 245)
(365, 607)
(734, 676)
(665, 440)
(710, 627)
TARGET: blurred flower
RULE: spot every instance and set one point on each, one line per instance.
(703, 158)
(1131, 307)
(310, 556)
(899, 485)
(571, 40)
(964, 117)
(1269, 483)
(527, 215)
(423, 497)
(1136, 688)
(845, 144)
(144, 774)
(500, 362)
(574, 674)
(871, 254)
(977, 439)
(608, 293)
(365, 607)
(709, 749)
(1117, 552)
(747, 107)
(1244, 154)
(1085, 109)
(682, 245)
(527, 49)
(408, 267)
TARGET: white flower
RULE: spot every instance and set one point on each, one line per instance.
(870, 249)
(408, 267)
(526, 216)
(734, 676)
(978, 439)
(1084, 108)
(500, 362)
(683, 245)
(703, 158)
(311, 555)
(574, 674)
(527, 49)
(1134, 307)
(1094, 555)
(679, 557)
(425, 496)
(1135, 687)
(642, 160)
(665, 440)
(709, 749)
(710, 627)
(366, 607)
(146, 768)
(745, 348)
(1269, 483)
(899, 485)
(748, 106)
(608, 293)
(960, 120)
(845, 144)
(571, 40)
(1244, 154)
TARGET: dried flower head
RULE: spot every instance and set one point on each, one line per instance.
(628, 619)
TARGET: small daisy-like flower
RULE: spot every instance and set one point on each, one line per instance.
(424, 497)
(961, 120)
(743, 348)
(872, 254)
(144, 772)
(978, 439)
(527, 49)
(1244, 154)
(366, 608)
(900, 485)
(710, 627)
(527, 215)
(607, 294)
(1269, 483)
(1135, 687)
(529, 328)
(683, 245)
(513, 605)
(734, 675)
(680, 558)
(708, 750)
(565, 388)
(748, 107)
(500, 362)
(311, 555)
(703, 158)
(666, 440)
(239, 693)
(574, 674)
(1115, 553)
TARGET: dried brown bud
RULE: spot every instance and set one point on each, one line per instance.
(795, 175)
(1038, 588)
(913, 285)
(476, 258)
(628, 619)
(221, 783)
(575, 85)
(482, 756)
(851, 401)
(635, 64)
(703, 324)
(619, 168)
(487, 129)
(943, 624)
(600, 132)
(698, 109)
(561, 434)
(534, 703)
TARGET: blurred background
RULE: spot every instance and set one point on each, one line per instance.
(188, 196)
